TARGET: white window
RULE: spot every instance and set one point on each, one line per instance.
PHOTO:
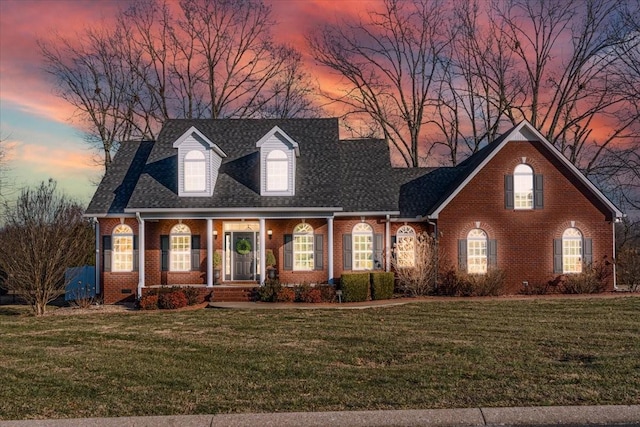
(477, 251)
(122, 255)
(405, 249)
(572, 251)
(277, 171)
(180, 248)
(523, 187)
(303, 247)
(362, 237)
(195, 174)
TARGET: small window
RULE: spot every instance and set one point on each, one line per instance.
(277, 171)
(523, 187)
(180, 248)
(195, 174)
(303, 247)
(122, 256)
(477, 251)
(405, 249)
(362, 237)
(572, 251)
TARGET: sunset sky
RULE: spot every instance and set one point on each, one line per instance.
(39, 126)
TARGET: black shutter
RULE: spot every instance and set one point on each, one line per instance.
(318, 252)
(346, 252)
(378, 248)
(492, 253)
(394, 241)
(538, 193)
(557, 256)
(195, 252)
(136, 259)
(462, 255)
(288, 252)
(106, 253)
(587, 251)
(164, 252)
(508, 191)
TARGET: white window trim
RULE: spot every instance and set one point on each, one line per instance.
(405, 249)
(523, 187)
(572, 242)
(195, 183)
(180, 259)
(303, 238)
(362, 230)
(276, 162)
(477, 241)
(122, 249)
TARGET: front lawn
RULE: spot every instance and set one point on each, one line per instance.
(437, 354)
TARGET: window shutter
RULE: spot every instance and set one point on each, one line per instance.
(462, 255)
(587, 251)
(164, 252)
(508, 191)
(136, 263)
(538, 193)
(288, 252)
(195, 252)
(557, 256)
(377, 251)
(394, 241)
(346, 252)
(318, 252)
(106, 253)
(492, 253)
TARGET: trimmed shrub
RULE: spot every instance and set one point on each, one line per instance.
(285, 294)
(355, 287)
(455, 283)
(382, 285)
(172, 300)
(592, 280)
(309, 294)
(148, 302)
(269, 291)
(192, 295)
(327, 293)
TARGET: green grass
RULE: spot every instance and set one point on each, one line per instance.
(440, 354)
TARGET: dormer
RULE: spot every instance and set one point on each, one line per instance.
(278, 153)
(199, 161)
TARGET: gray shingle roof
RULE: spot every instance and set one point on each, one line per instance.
(354, 175)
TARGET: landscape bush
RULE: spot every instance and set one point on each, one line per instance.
(382, 285)
(592, 280)
(355, 287)
(327, 292)
(148, 302)
(309, 294)
(462, 284)
(269, 291)
(172, 300)
(192, 295)
(285, 294)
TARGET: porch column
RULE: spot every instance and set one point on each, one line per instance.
(330, 248)
(210, 251)
(387, 245)
(263, 260)
(141, 265)
(96, 226)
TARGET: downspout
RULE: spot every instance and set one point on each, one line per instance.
(96, 228)
(141, 250)
(387, 244)
(615, 276)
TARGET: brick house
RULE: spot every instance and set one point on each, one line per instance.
(324, 206)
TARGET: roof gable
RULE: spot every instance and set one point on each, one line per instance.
(198, 136)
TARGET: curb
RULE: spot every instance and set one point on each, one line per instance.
(616, 415)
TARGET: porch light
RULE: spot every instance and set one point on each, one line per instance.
(270, 233)
(215, 234)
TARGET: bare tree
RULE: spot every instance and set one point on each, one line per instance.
(391, 63)
(417, 276)
(43, 234)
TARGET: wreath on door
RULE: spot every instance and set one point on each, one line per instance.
(243, 246)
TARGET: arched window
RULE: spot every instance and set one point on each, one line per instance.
(277, 171)
(477, 251)
(180, 248)
(572, 251)
(523, 187)
(122, 256)
(303, 247)
(195, 174)
(405, 249)
(362, 238)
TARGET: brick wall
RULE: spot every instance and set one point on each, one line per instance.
(525, 237)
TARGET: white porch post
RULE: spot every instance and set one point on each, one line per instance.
(330, 248)
(209, 252)
(387, 245)
(96, 226)
(263, 261)
(141, 249)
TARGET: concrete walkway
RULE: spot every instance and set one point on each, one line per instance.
(574, 416)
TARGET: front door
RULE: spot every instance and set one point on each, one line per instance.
(243, 255)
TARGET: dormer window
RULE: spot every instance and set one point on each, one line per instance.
(278, 154)
(195, 169)
(277, 171)
(199, 160)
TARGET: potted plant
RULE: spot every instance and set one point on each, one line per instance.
(217, 263)
(271, 264)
